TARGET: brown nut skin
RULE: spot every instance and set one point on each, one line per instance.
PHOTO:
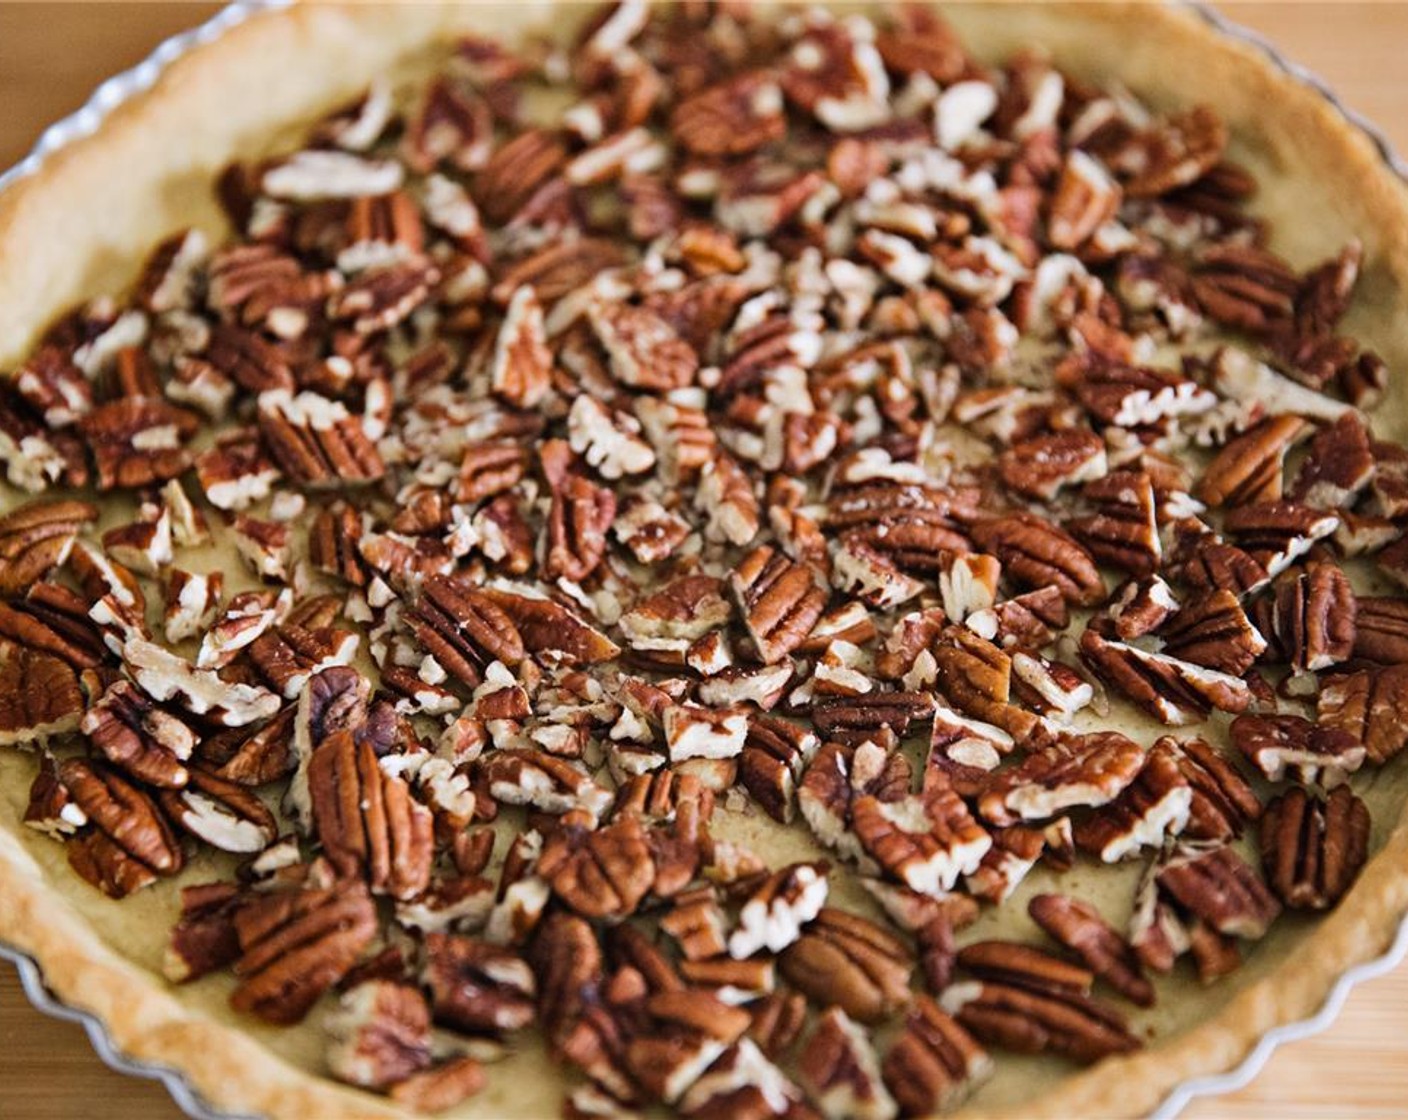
(934, 1062)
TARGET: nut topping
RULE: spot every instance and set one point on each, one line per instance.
(847, 961)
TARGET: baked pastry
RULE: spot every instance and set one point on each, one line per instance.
(881, 534)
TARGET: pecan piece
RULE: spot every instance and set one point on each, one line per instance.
(580, 517)
(1313, 616)
(643, 349)
(1156, 804)
(1041, 466)
(925, 843)
(1213, 631)
(1338, 465)
(780, 602)
(599, 873)
(463, 628)
(776, 909)
(1124, 532)
(1220, 889)
(138, 441)
(204, 939)
(1249, 468)
(731, 119)
(846, 961)
(1036, 554)
(316, 441)
(225, 814)
(477, 987)
(1381, 630)
(134, 734)
(36, 537)
(1311, 849)
(933, 1062)
(1368, 705)
(1084, 770)
(1030, 1002)
(1289, 747)
(295, 943)
(840, 1070)
(131, 842)
(366, 819)
(1174, 692)
(1079, 926)
(378, 1034)
(1222, 801)
(40, 696)
(520, 371)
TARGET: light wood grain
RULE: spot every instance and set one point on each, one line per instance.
(51, 57)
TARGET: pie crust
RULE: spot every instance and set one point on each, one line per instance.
(78, 227)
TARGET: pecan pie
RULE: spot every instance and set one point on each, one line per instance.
(743, 562)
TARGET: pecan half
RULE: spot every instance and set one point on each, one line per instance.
(1035, 553)
(295, 943)
(1079, 926)
(477, 987)
(844, 960)
(366, 819)
(1213, 631)
(1156, 804)
(131, 843)
(1174, 692)
(1287, 746)
(581, 515)
(1311, 849)
(36, 537)
(1124, 532)
(1249, 468)
(1367, 705)
(1084, 770)
(317, 442)
(1312, 616)
(780, 601)
(463, 628)
(599, 873)
(1027, 1001)
(933, 1062)
(40, 696)
(1220, 889)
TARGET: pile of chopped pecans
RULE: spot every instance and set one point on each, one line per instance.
(804, 406)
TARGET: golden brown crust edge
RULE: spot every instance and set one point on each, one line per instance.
(44, 219)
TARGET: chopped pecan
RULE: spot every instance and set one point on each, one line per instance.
(236, 472)
(1035, 553)
(926, 843)
(780, 602)
(204, 939)
(1312, 849)
(643, 349)
(1276, 534)
(879, 717)
(774, 753)
(441, 1087)
(1083, 770)
(933, 1062)
(1041, 466)
(1085, 198)
(776, 909)
(840, 1070)
(477, 987)
(1338, 465)
(1027, 1001)
(295, 943)
(580, 518)
(1124, 532)
(731, 119)
(520, 372)
(138, 441)
(1289, 747)
(378, 1034)
(130, 731)
(1156, 804)
(369, 824)
(1079, 926)
(726, 497)
(846, 961)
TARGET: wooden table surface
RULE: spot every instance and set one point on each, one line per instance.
(51, 57)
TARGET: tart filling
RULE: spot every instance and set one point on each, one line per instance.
(589, 474)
